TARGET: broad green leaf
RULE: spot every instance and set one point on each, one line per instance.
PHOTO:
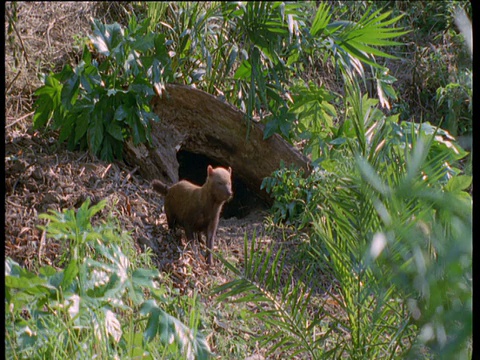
(150, 308)
(132, 66)
(15, 282)
(47, 102)
(31, 285)
(145, 89)
(244, 71)
(70, 91)
(84, 215)
(147, 307)
(47, 271)
(121, 113)
(91, 80)
(81, 126)
(171, 330)
(87, 55)
(458, 183)
(46, 90)
(117, 149)
(56, 279)
(271, 128)
(138, 130)
(144, 277)
(67, 127)
(107, 37)
(59, 117)
(94, 209)
(106, 152)
(144, 43)
(115, 130)
(95, 132)
(43, 111)
(161, 51)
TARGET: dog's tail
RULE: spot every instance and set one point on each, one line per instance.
(160, 187)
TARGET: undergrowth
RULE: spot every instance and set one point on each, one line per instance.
(99, 304)
(386, 212)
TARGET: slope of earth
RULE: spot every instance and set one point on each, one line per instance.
(42, 175)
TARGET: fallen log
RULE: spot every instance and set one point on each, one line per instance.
(198, 122)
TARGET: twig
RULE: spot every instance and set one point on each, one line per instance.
(11, 83)
(81, 172)
(127, 201)
(81, 157)
(50, 26)
(129, 175)
(19, 37)
(20, 119)
(15, 204)
(106, 170)
(41, 246)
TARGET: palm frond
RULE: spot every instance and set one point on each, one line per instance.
(283, 307)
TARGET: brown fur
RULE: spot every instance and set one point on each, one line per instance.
(197, 208)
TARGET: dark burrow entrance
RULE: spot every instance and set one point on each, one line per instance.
(193, 167)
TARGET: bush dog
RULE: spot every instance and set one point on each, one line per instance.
(197, 208)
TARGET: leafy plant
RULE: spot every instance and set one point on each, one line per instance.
(285, 315)
(76, 228)
(385, 240)
(90, 307)
(266, 33)
(297, 315)
(251, 51)
(386, 145)
(425, 246)
(353, 41)
(245, 52)
(313, 115)
(191, 30)
(314, 109)
(387, 306)
(192, 345)
(456, 100)
(101, 103)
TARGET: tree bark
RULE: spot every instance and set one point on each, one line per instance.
(195, 121)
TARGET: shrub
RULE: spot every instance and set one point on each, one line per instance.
(98, 305)
(384, 207)
(101, 103)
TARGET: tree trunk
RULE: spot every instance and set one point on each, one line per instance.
(198, 122)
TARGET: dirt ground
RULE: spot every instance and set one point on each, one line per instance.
(41, 174)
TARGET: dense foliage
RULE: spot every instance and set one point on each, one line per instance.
(99, 104)
(384, 206)
(90, 308)
(251, 58)
(398, 227)
(385, 215)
